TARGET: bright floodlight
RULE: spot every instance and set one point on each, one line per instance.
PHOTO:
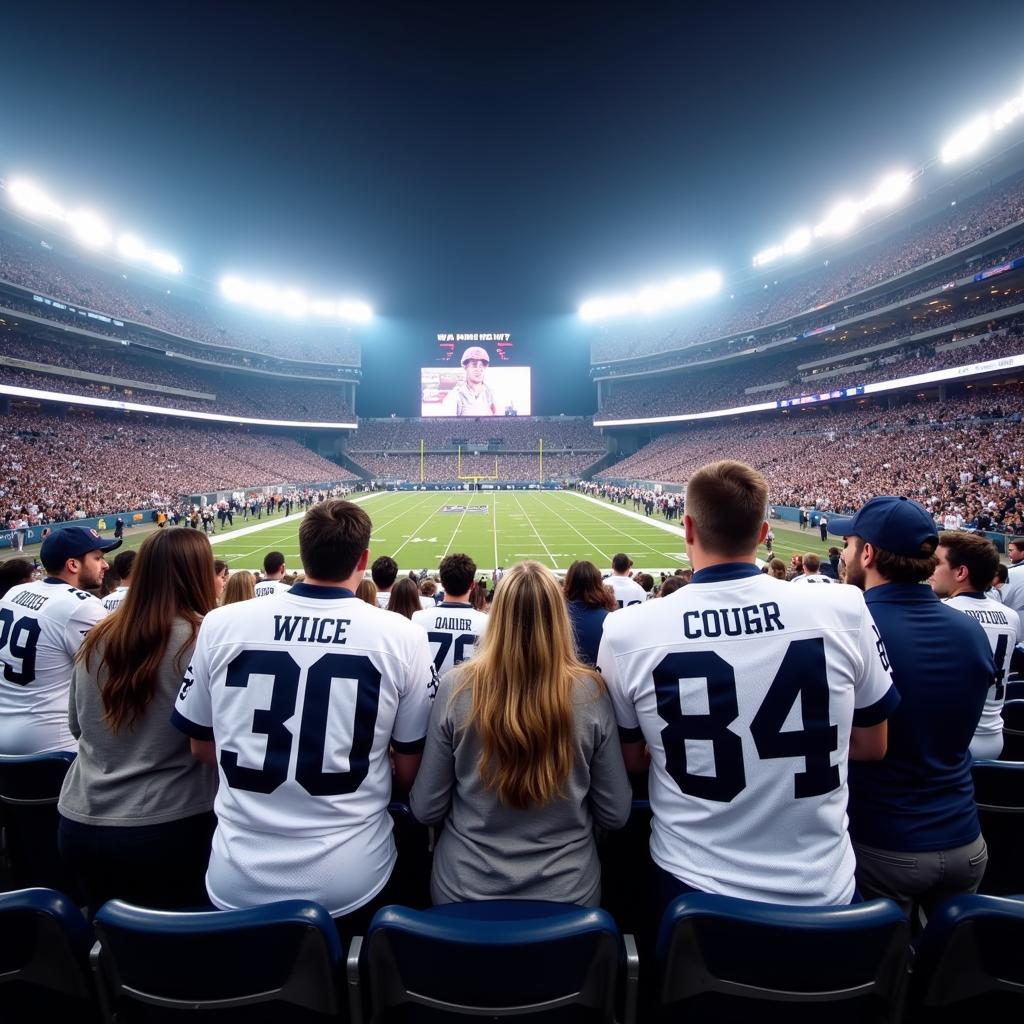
(891, 189)
(322, 307)
(89, 229)
(291, 301)
(354, 310)
(131, 247)
(841, 218)
(968, 140)
(164, 261)
(34, 200)
(797, 241)
(653, 298)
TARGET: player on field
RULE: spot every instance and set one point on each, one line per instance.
(967, 565)
(305, 702)
(123, 567)
(42, 625)
(625, 589)
(913, 819)
(454, 626)
(751, 695)
(274, 570)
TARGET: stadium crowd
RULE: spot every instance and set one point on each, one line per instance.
(725, 387)
(838, 460)
(444, 468)
(55, 468)
(522, 433)
(963, 224)
(71, 279)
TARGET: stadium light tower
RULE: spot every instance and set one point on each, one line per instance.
(976, 133)
(653, 298)
(291, 301)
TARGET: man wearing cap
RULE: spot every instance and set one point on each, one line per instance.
(472, 397)
(42, 625)
(913, 819)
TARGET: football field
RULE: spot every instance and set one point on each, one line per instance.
(496, 528)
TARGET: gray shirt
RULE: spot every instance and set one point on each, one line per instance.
(488, 850)
(142, 775)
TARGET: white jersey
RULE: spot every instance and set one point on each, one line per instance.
(42, 625)
(814, 577)
(452, 631)
(383, 598)
(268, 588)
(626, 591)
(304, 696)
(1002, 627)
(746, 690)
(114, 598)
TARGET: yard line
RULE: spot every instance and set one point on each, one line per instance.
(554, 564)
(611, 526)
(494, 529)
(455, 532)
(603, 554)
(394, 554)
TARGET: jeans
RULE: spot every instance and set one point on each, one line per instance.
(158, 866)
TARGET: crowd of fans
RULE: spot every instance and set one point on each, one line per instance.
(445, 468)
(725, 387)
(57, 468)
(960, 225)
(964, 455)
(520, 433)
(71, 279)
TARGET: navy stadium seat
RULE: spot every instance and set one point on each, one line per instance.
(29, 788)
(969, 963)
(999, 794)
(1013, 731)
(518, 959)
(44, 959)
(722, 959)
(1015, 689)
(280, 962)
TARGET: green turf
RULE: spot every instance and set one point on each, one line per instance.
(552, 527)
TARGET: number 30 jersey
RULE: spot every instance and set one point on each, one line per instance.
(746, 689)
(42, 625)
(303, 695)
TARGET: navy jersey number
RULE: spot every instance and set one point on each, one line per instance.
(1000, 677)
(270, 722)
(18, 640)
(802, 675)
(462, 641)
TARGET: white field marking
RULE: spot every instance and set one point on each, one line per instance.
(494, 529)
(455, 532)
(622, 533)
(587, 540)
(536, 531)
(668, 527)
(415, 536)
(259, 527)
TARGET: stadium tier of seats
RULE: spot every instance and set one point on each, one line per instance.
(911, 247)
(443, 468)
(61, 467)
(963, 453)
(73, 280)
(513, 433)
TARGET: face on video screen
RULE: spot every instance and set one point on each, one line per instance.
(475, 389)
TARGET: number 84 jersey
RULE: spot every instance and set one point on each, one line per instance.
(745, 689)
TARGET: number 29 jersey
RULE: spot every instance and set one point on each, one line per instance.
(303, 695)
(745, 689)
(42, 626)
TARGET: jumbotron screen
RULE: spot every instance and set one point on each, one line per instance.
(475, 389)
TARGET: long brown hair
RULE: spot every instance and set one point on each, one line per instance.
(521, 681)
(405, 598)
(172, 578)
(583, 583)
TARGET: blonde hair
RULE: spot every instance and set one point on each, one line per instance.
(241, 586)
(521, 682)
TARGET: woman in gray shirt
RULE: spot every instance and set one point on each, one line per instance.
(136, 809)
(522, 758)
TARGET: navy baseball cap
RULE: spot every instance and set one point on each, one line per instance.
(73, 542)
(899, 525)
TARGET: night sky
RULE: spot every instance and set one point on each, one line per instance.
(484, 167)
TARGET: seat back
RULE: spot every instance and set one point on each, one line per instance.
(1015, 689)
(969, 961)
(1013, 731)
(506, 958)
(44, 957)
(277, 962)
(728, 959)
(29, 789)
(999, 794)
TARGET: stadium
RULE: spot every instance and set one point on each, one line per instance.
(870, 349)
